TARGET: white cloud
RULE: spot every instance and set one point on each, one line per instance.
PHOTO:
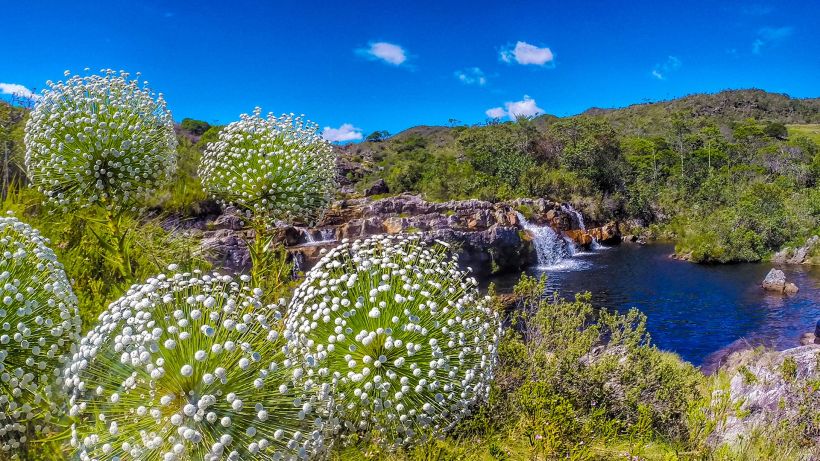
(662, 70)
(496, 112)
(770, 36)
(524, 54)
(17, 90)
(515, 109)
(387, 52)
(471, 76)
(344, 133)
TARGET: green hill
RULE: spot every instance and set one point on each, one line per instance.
(722, 173)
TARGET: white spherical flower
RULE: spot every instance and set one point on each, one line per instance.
(39, 327)
(411, 350)
(100, 140)
(215, 395)
(276, 167)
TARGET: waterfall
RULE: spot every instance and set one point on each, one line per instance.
(327, 234)
(550, 247)
(577, 217)
(578, 221)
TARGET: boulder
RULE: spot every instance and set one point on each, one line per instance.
(378, 188)
(790, 288)
(775, 281)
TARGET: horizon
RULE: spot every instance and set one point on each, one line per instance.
(355, 73)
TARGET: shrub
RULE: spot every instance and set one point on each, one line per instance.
(600, 362)
(273, 167)
(401, 334)
(190, 367)
(196, 127)
(40, 325)
(100, 140)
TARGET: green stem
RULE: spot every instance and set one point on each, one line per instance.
(120, 236)
(269, 267)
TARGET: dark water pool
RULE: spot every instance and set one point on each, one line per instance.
(700, 312)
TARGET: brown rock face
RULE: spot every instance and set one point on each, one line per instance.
(487, 236)
(580, 237)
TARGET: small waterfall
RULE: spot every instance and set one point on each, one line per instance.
(327, 234)
(550, 247)
(578, 221)
(577, 217)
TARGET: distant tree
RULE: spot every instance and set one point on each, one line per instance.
(378, 136)
(197, 127)
(591, 148)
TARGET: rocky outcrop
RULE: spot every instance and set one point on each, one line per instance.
(776, 281)
(799, 255)
(769, 388)
(378, 188)
(488, 236)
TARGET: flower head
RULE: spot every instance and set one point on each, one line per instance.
(39, 325)
(100, 140)
(401, 334)
(190, 367)
(276, 167)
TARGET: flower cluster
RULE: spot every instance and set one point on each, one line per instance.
(401, 334)
(100, 140)
(277, 167)
(191, 367)
(39, 324)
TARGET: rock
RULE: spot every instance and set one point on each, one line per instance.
(608, 233)
(378, 188)
(798, 255)
(775, 281)
(229, 219)
(763, 391)
(488, 236)
(580, 237)
(227, 249)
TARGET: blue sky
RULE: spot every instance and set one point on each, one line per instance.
(370, 66)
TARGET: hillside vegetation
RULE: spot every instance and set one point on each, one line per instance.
(721, 174)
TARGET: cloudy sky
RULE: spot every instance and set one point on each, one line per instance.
(362, 66)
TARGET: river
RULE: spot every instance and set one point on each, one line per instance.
(701, 312)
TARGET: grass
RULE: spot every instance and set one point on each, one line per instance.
(809, 130)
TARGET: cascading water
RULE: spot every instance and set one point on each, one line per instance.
(325, 235)
(549, 246)
(577, 217)
(578, 222)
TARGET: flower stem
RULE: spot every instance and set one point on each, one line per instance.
(121, 246)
